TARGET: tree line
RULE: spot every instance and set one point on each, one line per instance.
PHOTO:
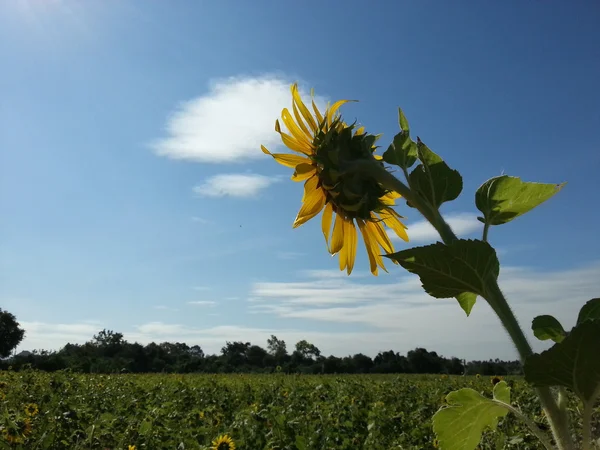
(109, 352)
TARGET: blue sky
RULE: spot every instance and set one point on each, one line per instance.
(134, 195)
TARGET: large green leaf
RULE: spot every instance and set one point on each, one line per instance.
(433, 180)
(589, 311)
(573, 363)
(547, 327)
(447, 271)
(459, 425)
(503, 198)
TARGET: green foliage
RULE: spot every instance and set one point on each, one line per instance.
(547, 327)
(572, 363)
(503, 198)
(589, 311)
(446, 271)
(156, 411)
(460, 424)
(433, 180)
(11, 333)
(403, 151)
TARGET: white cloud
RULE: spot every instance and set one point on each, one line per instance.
(463, 224)
(234, 185)
(200, 220)
(202, 303)
(374, 314)
(229, 122)
(289, 255)
(403, 310)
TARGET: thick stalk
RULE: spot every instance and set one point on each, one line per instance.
(557, 419)
(587, 425)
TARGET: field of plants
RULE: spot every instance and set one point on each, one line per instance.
(61, 410)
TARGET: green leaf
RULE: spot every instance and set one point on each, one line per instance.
(459, 425)
(402, 152)
(572, 363)
(145, 427)
(403, 122)
(589, 311)
(433, 180)
(503, 198)
(466, 300)
(547, 327)
(452, 270)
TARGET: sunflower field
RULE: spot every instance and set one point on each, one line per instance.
(63, 410)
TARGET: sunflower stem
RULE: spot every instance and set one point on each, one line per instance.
(558, 419)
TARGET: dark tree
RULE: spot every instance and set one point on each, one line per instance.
(11, 333)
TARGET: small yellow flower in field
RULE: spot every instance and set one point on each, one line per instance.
(3, 385)
(223, 442)
(2, 395)
(477, 376)
(131, 447)
(326, 148)
(31, 409)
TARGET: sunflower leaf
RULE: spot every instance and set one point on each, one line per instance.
(547, 327)
(572, 363)
(452, 270)
(403, 121)
(589, 311)
(503, 198)
(433, 180)
(402, 152)
(466, 300)
(460, 424)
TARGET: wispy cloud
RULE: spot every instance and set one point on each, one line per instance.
(229, 122)
(289, 255)
(463, 225)
(200, 220)
(201, 288)
(403, 308)
(202, 303)
(234, 185)
(164, 308)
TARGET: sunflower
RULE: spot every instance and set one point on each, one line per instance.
(326, 148)
(31, 409)
(496, 379)
(223, 442)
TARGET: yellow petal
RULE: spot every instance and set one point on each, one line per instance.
(312, 204)
(303, 172)
(389, 217)
(350, 240)
(360, 131)
(337, 237)
(299, 120)
(294, 145)
(372, 248)
(303, 109)
(293, 128)
(326, 223)
(318, 114)
(310, 186)
(286, 159)
(379, 234)
(331, 111)
(378, 157)
(343, 257)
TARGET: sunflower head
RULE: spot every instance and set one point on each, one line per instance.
(327, 153)
(495, 380)
(223, 442)
(338, 148)
(31, 409)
